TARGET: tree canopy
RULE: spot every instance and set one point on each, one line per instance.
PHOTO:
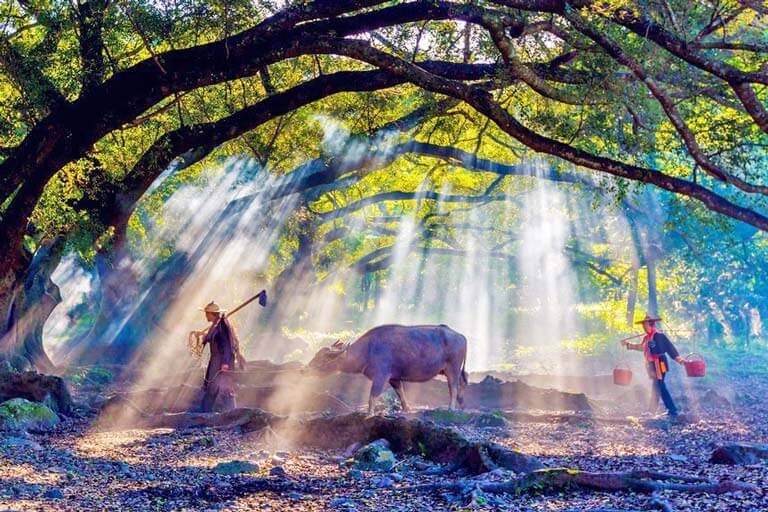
(99, 98)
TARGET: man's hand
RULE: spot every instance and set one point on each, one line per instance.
(680, 359)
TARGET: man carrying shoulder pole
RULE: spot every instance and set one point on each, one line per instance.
(655, 346)
(224, 343)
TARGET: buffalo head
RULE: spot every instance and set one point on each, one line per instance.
(328, 359)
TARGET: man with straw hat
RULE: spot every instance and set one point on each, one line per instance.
(655, 346)
(225, 351)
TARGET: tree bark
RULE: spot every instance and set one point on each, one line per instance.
(33, 301)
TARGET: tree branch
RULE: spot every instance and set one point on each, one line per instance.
(483, 102)
(667, 104)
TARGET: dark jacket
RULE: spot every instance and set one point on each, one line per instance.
(221, 339)
(660, 346)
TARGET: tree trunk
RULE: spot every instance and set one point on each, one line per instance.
(653, 304)
(632, 294)
(292, 283)
(33, 301)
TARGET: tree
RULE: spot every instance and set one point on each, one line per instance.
(629, 92)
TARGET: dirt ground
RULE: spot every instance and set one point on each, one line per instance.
(77, 468)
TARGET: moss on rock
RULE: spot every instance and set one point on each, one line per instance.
(21, 414)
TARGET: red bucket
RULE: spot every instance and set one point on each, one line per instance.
(695, 365)
(622, 376)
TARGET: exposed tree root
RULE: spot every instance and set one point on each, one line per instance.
(449, 447)
(545, 481)
(437, 443)
(245, 419)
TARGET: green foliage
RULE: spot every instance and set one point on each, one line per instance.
(20, 413)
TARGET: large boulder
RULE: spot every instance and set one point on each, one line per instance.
(21, 414)
(36, 387)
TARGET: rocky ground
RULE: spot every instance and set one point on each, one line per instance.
(75, 467)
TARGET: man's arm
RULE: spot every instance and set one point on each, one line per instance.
(632, 346)
(669, 347)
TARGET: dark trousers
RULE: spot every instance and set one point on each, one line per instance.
(659, 388)
(218, 387)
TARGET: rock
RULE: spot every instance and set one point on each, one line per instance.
(678, 458)
(260, 455)
(343, 503)
(283, 455)
(397, 477)
(422, 465)
(490, 420)
(235, 467)
(21, 414)
(37, 387)
(739, 454)
(20, 443)
(355, 474)
(6, 367)
(375, 456)
(54, 494)
(17, 364)
(351, 449)
(278, 471)
(277, 460)
(383, 482)
(295, 496)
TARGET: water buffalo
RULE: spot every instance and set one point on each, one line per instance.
(397, 354)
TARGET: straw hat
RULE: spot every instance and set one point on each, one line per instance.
(648, 318)
(212, 307)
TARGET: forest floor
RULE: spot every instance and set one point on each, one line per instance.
(78, 468)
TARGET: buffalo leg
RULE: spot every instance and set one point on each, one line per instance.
(400, 390)
(455, 383)
(460, 388)
(450, 380)
(376, 389)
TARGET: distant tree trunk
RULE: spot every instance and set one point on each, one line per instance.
(292, 281)
(632, 294)
(746, 321)
(653, 304)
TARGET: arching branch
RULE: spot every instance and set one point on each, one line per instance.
(667, 104)
(484, 103)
